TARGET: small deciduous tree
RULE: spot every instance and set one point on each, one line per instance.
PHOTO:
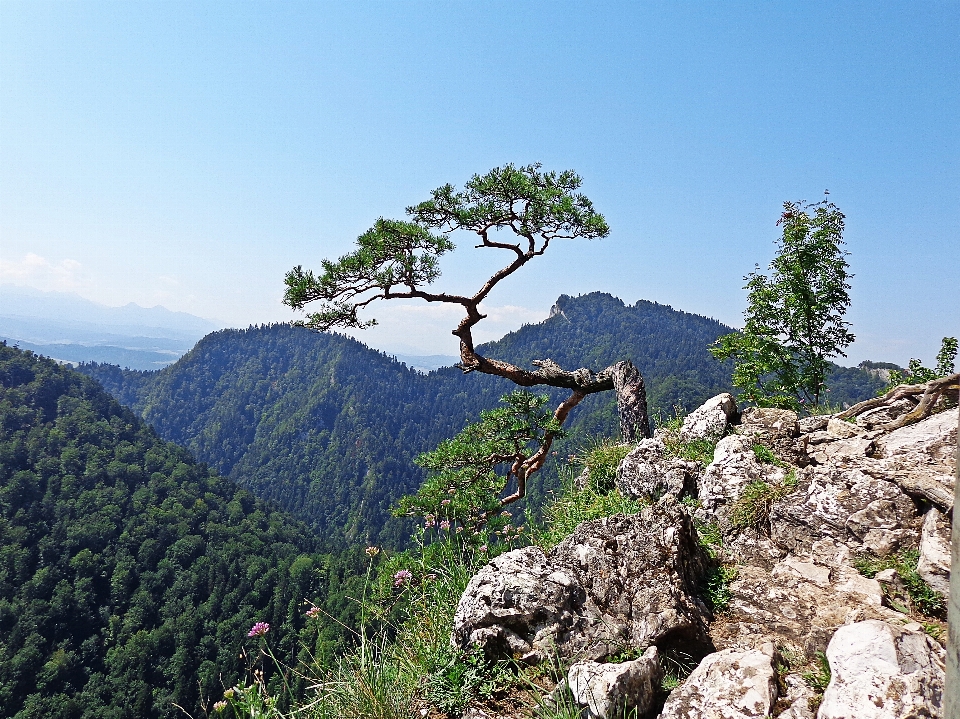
(515, 210)
(794, 321)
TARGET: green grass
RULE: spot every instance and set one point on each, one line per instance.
(601, 460)
(718, 587)
(570, 506)
(926, 600)
(752, 508)
(765, 456)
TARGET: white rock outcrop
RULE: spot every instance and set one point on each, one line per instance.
(609, 691)
(880, 671)
(709, 421)
(727, 685)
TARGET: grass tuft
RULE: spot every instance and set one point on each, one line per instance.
(926, 600)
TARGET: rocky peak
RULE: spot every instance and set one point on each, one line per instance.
(831, 535)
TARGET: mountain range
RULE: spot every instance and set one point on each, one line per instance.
(328, 429)
(73, 329)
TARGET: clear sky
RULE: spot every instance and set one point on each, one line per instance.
(188, 154)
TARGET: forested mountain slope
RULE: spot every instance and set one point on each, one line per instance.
(328, 428)
(129, 574)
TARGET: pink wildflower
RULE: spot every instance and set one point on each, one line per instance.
(313, 612)
(445, 502)
(429, 521)
(259, 629)
(445, 525)
(483, 547)
(402, 577)
(220, 706)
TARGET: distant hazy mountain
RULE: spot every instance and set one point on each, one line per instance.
(70, 328)
(427, 363)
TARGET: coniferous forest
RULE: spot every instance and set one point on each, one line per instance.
(130, 572)
(328, 428)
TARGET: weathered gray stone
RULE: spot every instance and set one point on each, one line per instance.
(880, 671)
(729, 684)
(770, 422)
(799, 602)
(649, 473)
(813, 424)
(842, 502)
(934, 439)
(615, 583)
(934, 564)
(709, 421)
(517, 605)
(734, 466)
(609, 691)
(852, 448)
(842, 429)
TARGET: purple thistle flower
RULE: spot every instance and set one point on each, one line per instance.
(402, 577)
(259, 629)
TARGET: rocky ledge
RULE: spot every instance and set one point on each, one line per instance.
(800, 575)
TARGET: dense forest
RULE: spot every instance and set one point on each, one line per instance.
(129, 573)
(328, 428)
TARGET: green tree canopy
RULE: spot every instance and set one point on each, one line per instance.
(795, 316)
(519, 210)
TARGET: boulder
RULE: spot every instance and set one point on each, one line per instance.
(934, 564)
(933, 440)
(616, 583)
(649, 473)
(609, 691)
(880, 671)
(710, 420)
(517, 605)
(730, 684)
(734, 466)
(770, 422)
(842, 502)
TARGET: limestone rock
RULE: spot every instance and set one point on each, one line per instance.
(648, 473)
(641, 575)
(841, 501)
(615, 583)
(934, 439)
(934, 564)
(608, 691)
(516, 604)
(730, 684)
(883, 672)
(800, 695)
(813, 424)
(769, 421)
(734, 466)
(776, 429)
(709, 421)
(799, 602)
(841, 429)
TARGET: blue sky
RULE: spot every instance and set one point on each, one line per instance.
(188, 154)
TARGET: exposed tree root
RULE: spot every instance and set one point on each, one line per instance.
(929, 393)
